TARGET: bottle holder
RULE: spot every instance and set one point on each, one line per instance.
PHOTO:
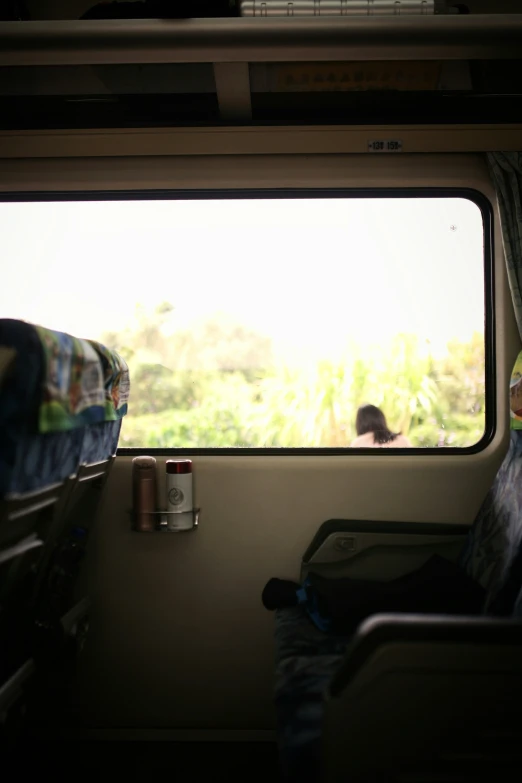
(162, 522)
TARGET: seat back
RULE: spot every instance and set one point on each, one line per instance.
(26, 520)
(495, 538)
(61, 404)
(422, 698)
(55, 586)
(419, 697)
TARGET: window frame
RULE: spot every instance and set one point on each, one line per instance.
(182, 194)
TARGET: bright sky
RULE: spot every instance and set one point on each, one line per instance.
(311, 273)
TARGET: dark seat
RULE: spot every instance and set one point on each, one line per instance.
(408, 693)
(54, 460)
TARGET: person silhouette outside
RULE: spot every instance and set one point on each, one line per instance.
(373, 431)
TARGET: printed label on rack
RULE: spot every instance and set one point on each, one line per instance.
(352, 76)
(385, 145)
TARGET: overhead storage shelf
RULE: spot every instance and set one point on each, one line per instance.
(242, 40)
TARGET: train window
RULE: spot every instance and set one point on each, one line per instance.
(265, 320)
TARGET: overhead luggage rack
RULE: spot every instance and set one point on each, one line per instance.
(319, 70)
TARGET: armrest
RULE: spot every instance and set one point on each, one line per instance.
(76, 614)
(13, 688)
(448, 631)
(416, 691)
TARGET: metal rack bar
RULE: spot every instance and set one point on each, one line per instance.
(96, 42)
(162, 525)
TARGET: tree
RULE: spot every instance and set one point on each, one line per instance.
(217, 384)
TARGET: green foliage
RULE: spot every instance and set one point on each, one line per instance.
(218, 385)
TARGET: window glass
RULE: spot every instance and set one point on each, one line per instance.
(267, 322)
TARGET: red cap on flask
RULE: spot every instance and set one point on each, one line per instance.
(179, 466)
